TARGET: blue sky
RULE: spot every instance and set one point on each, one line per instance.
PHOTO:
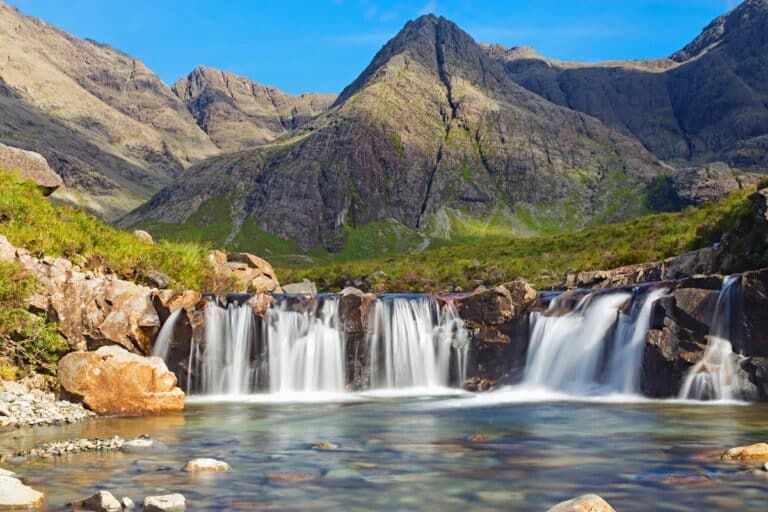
(322, 45)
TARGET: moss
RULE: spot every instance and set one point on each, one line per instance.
(398, 145)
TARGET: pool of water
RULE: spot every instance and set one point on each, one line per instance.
(401, 452)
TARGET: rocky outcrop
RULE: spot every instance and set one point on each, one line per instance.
(706, 261)
(112, 381)
(31, 166)
(254, 274)
(93, 309)
(703, 184)
(355, 309)
(497, 320)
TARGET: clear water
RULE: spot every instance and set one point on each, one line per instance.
(415, 453)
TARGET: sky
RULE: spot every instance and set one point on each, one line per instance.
(322, 45)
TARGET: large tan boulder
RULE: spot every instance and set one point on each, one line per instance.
(255, 274)
(757, 451)
(30, 165)
(14, 495)
(112, 381)
(585, 503)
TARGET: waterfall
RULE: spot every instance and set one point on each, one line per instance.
(165, 336)
(412, 341)
(306, 350)
(597, 347)
(226, 364)
(714, 376)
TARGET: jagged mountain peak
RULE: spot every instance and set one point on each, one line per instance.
(747, 20)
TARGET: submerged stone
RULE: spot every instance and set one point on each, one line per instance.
(325, 445)
(206, 465)
(165, 503)
(751, 452)
(585, 503)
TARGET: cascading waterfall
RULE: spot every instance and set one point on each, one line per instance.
(412, 342)
(165, 336)
(714, 376)
(229, 362)
(306, 351)
(597, 347)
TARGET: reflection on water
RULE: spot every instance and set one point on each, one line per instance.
(411, 453)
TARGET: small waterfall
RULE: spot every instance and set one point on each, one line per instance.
(306, 351)
(226, 364)
(597, 347)
(714, 376)
(165, 336)
(413, 342)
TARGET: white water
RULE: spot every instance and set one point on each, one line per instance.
(714, 376)
(568, 353)
(226, 365)
(412, 341)
(165, 336)
(306, 351)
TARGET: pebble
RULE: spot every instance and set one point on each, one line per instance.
(166, 503)
(127, 503)
(59, 448)
(20, 407)
(206, 465)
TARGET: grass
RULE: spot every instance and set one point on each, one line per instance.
(543, 260)
(29, 220)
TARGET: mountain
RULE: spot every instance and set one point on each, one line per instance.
(238, 113)
(433, 133)
(107, 124)
(707, 102)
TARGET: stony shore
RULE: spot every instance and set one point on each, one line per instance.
(21, 406)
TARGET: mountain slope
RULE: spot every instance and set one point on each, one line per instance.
(238, 113)
(707, 102)
(433, 130)
(134, 133)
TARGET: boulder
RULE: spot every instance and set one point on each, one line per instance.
(753, 338)
(165, 503)
(112, 381)
(156, 279)
(255, 274)
(205, 465)
(306, 286)
(144, 236)
(15, 495)
(585, 503)
(102, 501)
(30, 165)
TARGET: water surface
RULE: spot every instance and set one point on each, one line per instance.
(418, 453)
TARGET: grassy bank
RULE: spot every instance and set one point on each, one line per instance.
(29, 220)
(544, 260)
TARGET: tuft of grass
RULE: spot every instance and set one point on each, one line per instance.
(29, 220)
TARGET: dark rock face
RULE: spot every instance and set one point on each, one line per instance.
(753, 335)
(706, 100)
(354, 312)
(704, 184)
